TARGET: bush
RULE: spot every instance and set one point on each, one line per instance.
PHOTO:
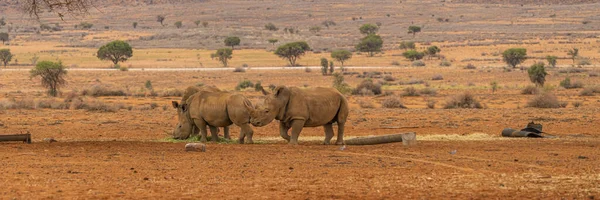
(537, 74)
(98, 90)
(593, 74)
(577, 104)
(239, 69)
(366, 104)
(244, 84)
(395, 63)
(588, 92)
(367, 87)
(339, 84)
(418, 63)
(307, 70)
(572, 70)
(544, 100)
(530, 89)
(258, 87)
(584, 61)
(410, 91)
(389, 78)
(392, 102)
(172, 93)
(123, 68)
(428, 91)
(431, 104)
(567, 84)
(470, 66)
(271, 27)
(445, 63)
(464, 100)
(414, 82)
(437, 77)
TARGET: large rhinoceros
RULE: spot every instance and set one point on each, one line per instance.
(215, 109)
(296, 108)
(191, 90)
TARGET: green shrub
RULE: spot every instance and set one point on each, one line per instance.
(244, 84)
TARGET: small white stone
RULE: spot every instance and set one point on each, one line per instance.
(195, 147)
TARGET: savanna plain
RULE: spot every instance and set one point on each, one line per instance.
(112, 126)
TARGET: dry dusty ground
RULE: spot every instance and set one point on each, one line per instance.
(515, 168)
(124, 154)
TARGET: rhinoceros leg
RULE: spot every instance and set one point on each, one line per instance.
(246, 132)
(226, 133)
(201, 124)
(283, 131)
(328, 133)
(297, 126)
(340, 136)
(214, 133)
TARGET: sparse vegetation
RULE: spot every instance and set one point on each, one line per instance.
(273, 41)
(115, 51)
(573, 53)
(537, 74)
(5, 56)
(292, 51)
(371, 43)
(544, 100)
(161, 19)
(369, 29)
(341, 55)
(551, 60)
(589, 91)
(52, 75)
(98, 90)
(324, 66)
(407, 45)
(414, 30)
(232, 42)
(367, 88)
(239, 69)
(494, 86)
(4, 37)
(445, 63)
(365, 104)
(413, 55)
(514, 56)
(392, 102)
(463, 100)
(85, 25)
(437, 77)
(418, 63)
(224, 55)
(530, 89)
(567, 84)
(178, 24)
(340, 85)
(271, 27)
(411, 92)
(428, 91)
(244, 84)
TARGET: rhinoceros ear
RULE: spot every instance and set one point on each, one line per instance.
(184, 107)
(175, 104)
(248, 105)
(279, 90)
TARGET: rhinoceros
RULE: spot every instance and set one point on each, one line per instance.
(189, 91)
(296, 108)
(215, 109)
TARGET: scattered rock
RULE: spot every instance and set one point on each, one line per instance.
(195, 147)
(49, 140)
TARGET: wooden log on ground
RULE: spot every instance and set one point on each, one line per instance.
(26, 138)
(406, 138)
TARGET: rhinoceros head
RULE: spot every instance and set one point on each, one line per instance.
(185, 126)
(273, 105)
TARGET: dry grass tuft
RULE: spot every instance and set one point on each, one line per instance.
(463, 100)
(392, 102)
(544, 100)
(530, 89)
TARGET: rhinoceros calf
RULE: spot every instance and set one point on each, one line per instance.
(191, 90)
(296, 108)
(215, 109)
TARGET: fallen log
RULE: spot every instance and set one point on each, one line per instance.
(409, 138)
(26, 138)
